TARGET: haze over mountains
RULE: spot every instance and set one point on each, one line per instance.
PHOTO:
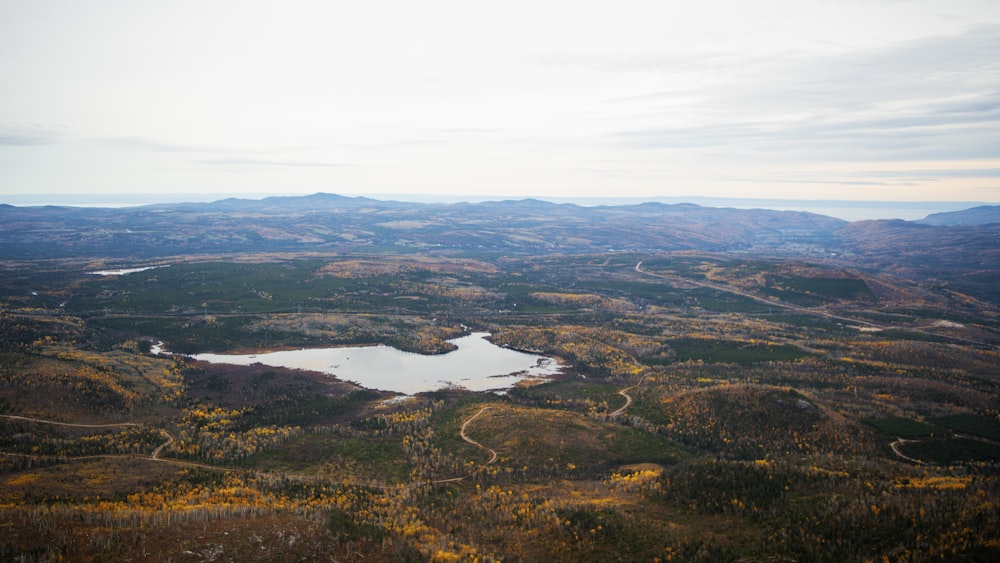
(848, 210)
(958, 247)
(980, 215)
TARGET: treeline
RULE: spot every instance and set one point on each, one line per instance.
(113, 382)
(35, 439)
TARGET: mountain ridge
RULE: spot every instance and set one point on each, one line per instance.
(980, 215)
(330, 223)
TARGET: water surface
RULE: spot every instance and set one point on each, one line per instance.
(477, 365)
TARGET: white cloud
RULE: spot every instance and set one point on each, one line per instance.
(25, 136)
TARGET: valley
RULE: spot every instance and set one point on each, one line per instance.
(735, 385)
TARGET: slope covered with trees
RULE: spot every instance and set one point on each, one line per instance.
(718, 406)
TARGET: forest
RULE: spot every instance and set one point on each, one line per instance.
(714, 407)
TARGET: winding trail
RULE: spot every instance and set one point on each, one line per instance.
(895, 449)
(628, 398)
(155, 455)
(762, 300)
(461, 432)
(72, 424)
(493, 453)
(819, 311)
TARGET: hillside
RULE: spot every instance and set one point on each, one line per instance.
(330, 223)
(731, 388)
(981, 215)
(964, 256)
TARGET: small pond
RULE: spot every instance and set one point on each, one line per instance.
(477, 365)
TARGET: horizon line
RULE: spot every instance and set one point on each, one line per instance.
(133, 199)
(845, 210)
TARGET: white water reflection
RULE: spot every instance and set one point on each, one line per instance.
(123, 271)
(477, 365)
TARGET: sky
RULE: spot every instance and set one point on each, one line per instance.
(887, 100)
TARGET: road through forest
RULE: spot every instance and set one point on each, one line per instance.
(810, 311)
(155, 455)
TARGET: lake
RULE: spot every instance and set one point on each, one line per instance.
(123, 271)
(477, 365)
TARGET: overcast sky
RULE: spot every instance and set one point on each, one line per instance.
(808, 99)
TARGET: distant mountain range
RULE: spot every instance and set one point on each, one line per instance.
(982, 215)
(960, 247)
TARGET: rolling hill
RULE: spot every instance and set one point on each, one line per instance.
(944, 248)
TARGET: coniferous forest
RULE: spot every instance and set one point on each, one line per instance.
(775, 403)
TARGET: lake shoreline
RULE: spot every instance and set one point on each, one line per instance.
(477, 364)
